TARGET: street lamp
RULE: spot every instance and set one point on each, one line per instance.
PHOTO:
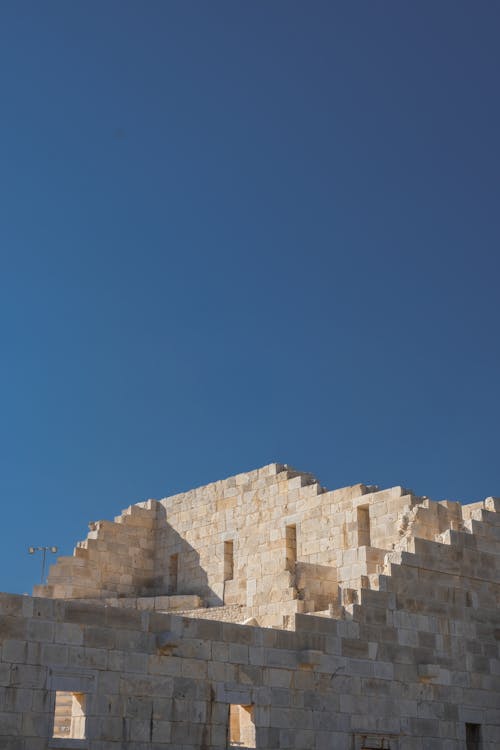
(44, 551)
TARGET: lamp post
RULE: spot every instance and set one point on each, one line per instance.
(44, 551)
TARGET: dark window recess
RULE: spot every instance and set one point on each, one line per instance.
(173, 574)
(291, 547)
(364, 526)
(473, 736)
(228, 560)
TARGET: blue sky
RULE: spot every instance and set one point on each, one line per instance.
(236, 233)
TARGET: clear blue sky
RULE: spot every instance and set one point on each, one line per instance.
(241, 232)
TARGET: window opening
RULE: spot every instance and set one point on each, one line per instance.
(363, 526)
(173, 573)
(376, 741)
(228, 560)
(69, 715)
(291, 547)
(241, 726)
(473, 736)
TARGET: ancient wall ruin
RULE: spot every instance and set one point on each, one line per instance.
(263, 611)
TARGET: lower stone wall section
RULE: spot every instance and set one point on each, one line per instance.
(153, 681)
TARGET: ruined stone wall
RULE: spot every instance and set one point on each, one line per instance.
(254, 512)
(116, 559)
(403, 652)
(272, 541)
(405, 667)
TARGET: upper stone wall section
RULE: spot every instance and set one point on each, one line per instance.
(273, 541)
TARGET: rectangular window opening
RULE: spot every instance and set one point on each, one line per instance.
(473, 736)
(228, 560)
(291, 547)
(375, 741)
(173, 573)
(363, 526)
(69, 715)
(241, 726)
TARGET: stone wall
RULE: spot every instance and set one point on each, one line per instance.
(116, 559)
(406, 667)
(381, 614)
(273, 541)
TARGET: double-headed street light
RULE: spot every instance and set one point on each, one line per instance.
(44, 551)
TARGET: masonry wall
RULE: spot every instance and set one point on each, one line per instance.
(180, 544)
(116, 559)
(401, 654)
(404, 668)
(254, 512)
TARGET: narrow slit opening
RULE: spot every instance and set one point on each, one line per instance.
(228, 560)
(291, 547)
(173, 574)
(363, 526)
